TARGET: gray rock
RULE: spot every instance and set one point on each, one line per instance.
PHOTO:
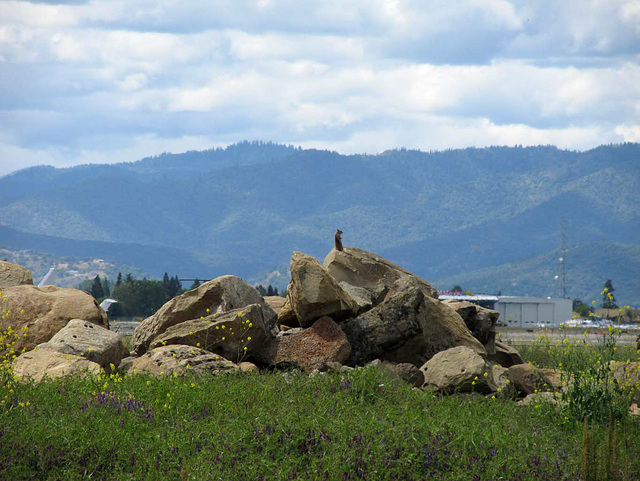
(227, 334)
(408, 373)
(213, 297)
(528, 379)
(480, 321)
(408, 326)
(536, 399)
(501, 378)
(360, 295)
(180, 359)
(88, 340)
(40, 364)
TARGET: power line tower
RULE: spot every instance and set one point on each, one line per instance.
(564, 250)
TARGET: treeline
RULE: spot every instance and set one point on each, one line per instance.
(270, 291)
(136, 298)
(141, 298)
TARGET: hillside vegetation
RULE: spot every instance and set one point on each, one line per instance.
(488, 218)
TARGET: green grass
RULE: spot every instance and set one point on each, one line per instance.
(546, 355)
(282, 426)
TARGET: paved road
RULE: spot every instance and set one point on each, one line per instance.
(125, 328)
(592, 336)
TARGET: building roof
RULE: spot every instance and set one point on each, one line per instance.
(470, 298)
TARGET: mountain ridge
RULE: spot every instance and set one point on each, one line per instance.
(245, 208)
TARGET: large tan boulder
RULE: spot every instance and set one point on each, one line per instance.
(39, 364)
(227, 334)
(313, 293)
(408, 326)
(459, 369)
(363, 297)
(364, 269)
(43, 311)
(179, 359)
(275, 302)
(93, 342)
(541, 398)
(287, 316)
(407, 372)
(480, 321)
(505, 355)
(528, 379)
(556, 377)
(312, 348)
(501, 379)
(12, 275)
(213, 297)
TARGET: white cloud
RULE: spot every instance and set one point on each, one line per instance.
(108, 79)
(629, 133)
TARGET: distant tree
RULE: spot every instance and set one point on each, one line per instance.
(261, 290)
(119, 279)
(140, 298)
(275, 291)
(608, 299)
(115, 311)
(129, 279)
(457, 288)
(581, 308)
(270, 290)
(96, 288)
(195, 284)
(175, 288)
(106, 290)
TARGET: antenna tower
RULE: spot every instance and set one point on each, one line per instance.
(564, 222)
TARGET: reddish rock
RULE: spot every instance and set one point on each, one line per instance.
(311, 348)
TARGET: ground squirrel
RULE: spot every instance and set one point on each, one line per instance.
(338, 240)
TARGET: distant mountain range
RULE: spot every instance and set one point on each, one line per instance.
(488, 219)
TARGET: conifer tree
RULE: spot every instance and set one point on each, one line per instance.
(96, 288)
(106, 291)
(608, 299)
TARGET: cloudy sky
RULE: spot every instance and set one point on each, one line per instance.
(118, 80)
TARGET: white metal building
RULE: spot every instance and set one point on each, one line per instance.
(533, 311)
(527, 312)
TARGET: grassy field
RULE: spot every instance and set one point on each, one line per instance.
(281, 426)
(286, 426)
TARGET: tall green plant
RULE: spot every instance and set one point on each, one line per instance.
(593, 392)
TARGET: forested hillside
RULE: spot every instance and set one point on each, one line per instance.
(489, 218)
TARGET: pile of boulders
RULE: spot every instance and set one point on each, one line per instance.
(355, 309)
